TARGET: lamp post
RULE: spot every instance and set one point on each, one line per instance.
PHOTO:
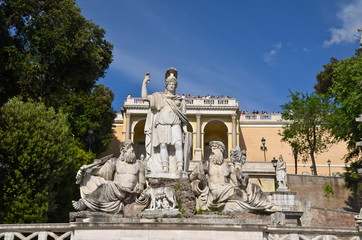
(275, 163)
(263, 147)
(89, 139)
(329, 166)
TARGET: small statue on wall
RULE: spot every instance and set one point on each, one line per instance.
(281, 173)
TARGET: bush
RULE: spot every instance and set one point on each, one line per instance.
(36, 153)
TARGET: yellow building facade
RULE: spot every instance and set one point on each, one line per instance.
(221, 119)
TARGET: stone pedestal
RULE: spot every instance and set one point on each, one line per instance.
(287, 218)
(284, 200)
(287, 213)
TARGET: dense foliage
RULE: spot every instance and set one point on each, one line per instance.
(325, 77)
(346, 91)
(53, 54)
(49, 49)
(50, 58)
(347, 95)
(36, 152)
(91, 111)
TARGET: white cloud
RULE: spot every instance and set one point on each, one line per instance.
(351, 17)
(270, 57)
(135, 67)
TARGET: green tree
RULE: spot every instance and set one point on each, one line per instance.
(325, 77)
(306, 116)
(347, 95)
(36, 153)
(49, 50)
(91, 111)
(343, 81)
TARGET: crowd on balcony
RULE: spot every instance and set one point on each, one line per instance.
(199, 96)
(257, 112)
(208, 96)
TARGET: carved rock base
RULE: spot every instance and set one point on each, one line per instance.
(161, 213)
(88, 216)
(186, 200)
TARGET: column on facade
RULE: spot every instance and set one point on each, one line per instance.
(198, 150)
(233, 131)
(128, 126)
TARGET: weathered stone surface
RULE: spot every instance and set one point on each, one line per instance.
(320, 217)
(89, 216)
(161, 213)
(184, 195)
(310, 189)
(284, 200)
(134, 210)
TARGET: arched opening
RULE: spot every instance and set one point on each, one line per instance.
(191, 130)
(139, 139)
(215, 131)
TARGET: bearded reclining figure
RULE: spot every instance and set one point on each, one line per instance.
(110, 183)
(222, 186)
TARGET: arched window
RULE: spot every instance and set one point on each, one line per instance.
(215, 130)
(139, 138)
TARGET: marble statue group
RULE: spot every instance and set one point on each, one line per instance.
(110, 183)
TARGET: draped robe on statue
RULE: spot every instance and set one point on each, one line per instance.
(163, 125)
(226, 196)
(100, 193)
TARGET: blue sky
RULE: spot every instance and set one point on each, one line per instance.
(254, 51)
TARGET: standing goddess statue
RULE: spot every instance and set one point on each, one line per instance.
(165, 126)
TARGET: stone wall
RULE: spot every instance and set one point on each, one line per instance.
(323, 207)
(328, 217)
(310, 188)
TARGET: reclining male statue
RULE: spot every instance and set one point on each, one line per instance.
(111, 183)
(221, 186)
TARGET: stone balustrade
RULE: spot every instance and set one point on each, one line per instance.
(260, 117)
(191, 102)
(203, 227)
(56, 231)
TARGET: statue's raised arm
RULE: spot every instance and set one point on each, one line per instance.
(146, 81)
(166, 121)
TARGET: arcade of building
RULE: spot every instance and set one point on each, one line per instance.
(221, 119)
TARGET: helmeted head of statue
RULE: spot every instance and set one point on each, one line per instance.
(171, 76)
